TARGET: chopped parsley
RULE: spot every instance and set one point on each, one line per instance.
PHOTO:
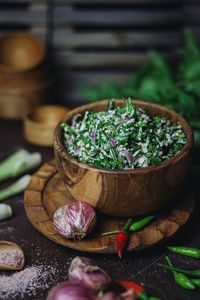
(122, 138)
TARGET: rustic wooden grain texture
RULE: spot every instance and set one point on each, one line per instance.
(22, 17)
(39, 31)
(66, 39)
(76, 78)
(22, 102)
(80, 24)
(125, 17)
(84, 60)
(124, 192)
(26, 82)
(53, 195)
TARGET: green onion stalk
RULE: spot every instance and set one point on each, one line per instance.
(15, 188)
(18, 163)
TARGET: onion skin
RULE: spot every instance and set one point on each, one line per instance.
(109, 296)
(69, 290)
(86, 271)
(112, 296)
(74, 119)
(128, 155)
(74, 220)
(113, 142)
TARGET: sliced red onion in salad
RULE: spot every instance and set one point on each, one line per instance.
(75, 118)
(128, 155)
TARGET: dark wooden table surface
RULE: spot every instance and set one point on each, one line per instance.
(141, 267)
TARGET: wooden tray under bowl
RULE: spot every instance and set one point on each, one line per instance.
(46, 193)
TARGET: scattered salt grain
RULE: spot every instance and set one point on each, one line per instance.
(27, 282)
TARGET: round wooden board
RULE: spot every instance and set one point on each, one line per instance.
(46, 193)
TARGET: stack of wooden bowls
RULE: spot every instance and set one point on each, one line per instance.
(24, 78)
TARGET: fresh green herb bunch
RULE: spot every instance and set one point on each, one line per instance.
(176, 87)
(122, 138)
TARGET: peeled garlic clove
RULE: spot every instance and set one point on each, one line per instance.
(74, 220)
(87, 272)
(5, 211)
(11, 256)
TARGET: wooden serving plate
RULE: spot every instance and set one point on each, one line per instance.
(46, 192)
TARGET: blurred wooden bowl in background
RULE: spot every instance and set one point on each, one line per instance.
(20, 52)
(39, 125)
(25, 81)
(17, 102)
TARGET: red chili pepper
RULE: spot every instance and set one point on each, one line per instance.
(121, 241)
(122, 238)
(138, 290)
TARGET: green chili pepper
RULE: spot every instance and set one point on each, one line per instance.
(188, 251)
(142, 296)
(141, 223)
(196, 282)
(194, 273)
(135, 226)
(181, 279)
(153, 298)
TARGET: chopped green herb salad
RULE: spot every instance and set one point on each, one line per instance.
(122, 138)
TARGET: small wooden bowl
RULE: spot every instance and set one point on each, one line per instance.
(125, 192)
(16, 102)
(40, 124)
(20, 52)
(25, 80)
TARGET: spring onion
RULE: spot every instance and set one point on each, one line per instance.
(194, 273)
(15, 188)
(18, 163)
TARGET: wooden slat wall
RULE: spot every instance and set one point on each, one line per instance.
(24, 15)
(192, 16)
(100, 40)
(105, 40)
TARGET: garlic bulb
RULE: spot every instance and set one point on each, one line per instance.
(11, 256)
(69, 290)
(74, 220)
(86, 271)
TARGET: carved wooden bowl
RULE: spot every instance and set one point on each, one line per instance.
(125, 192)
